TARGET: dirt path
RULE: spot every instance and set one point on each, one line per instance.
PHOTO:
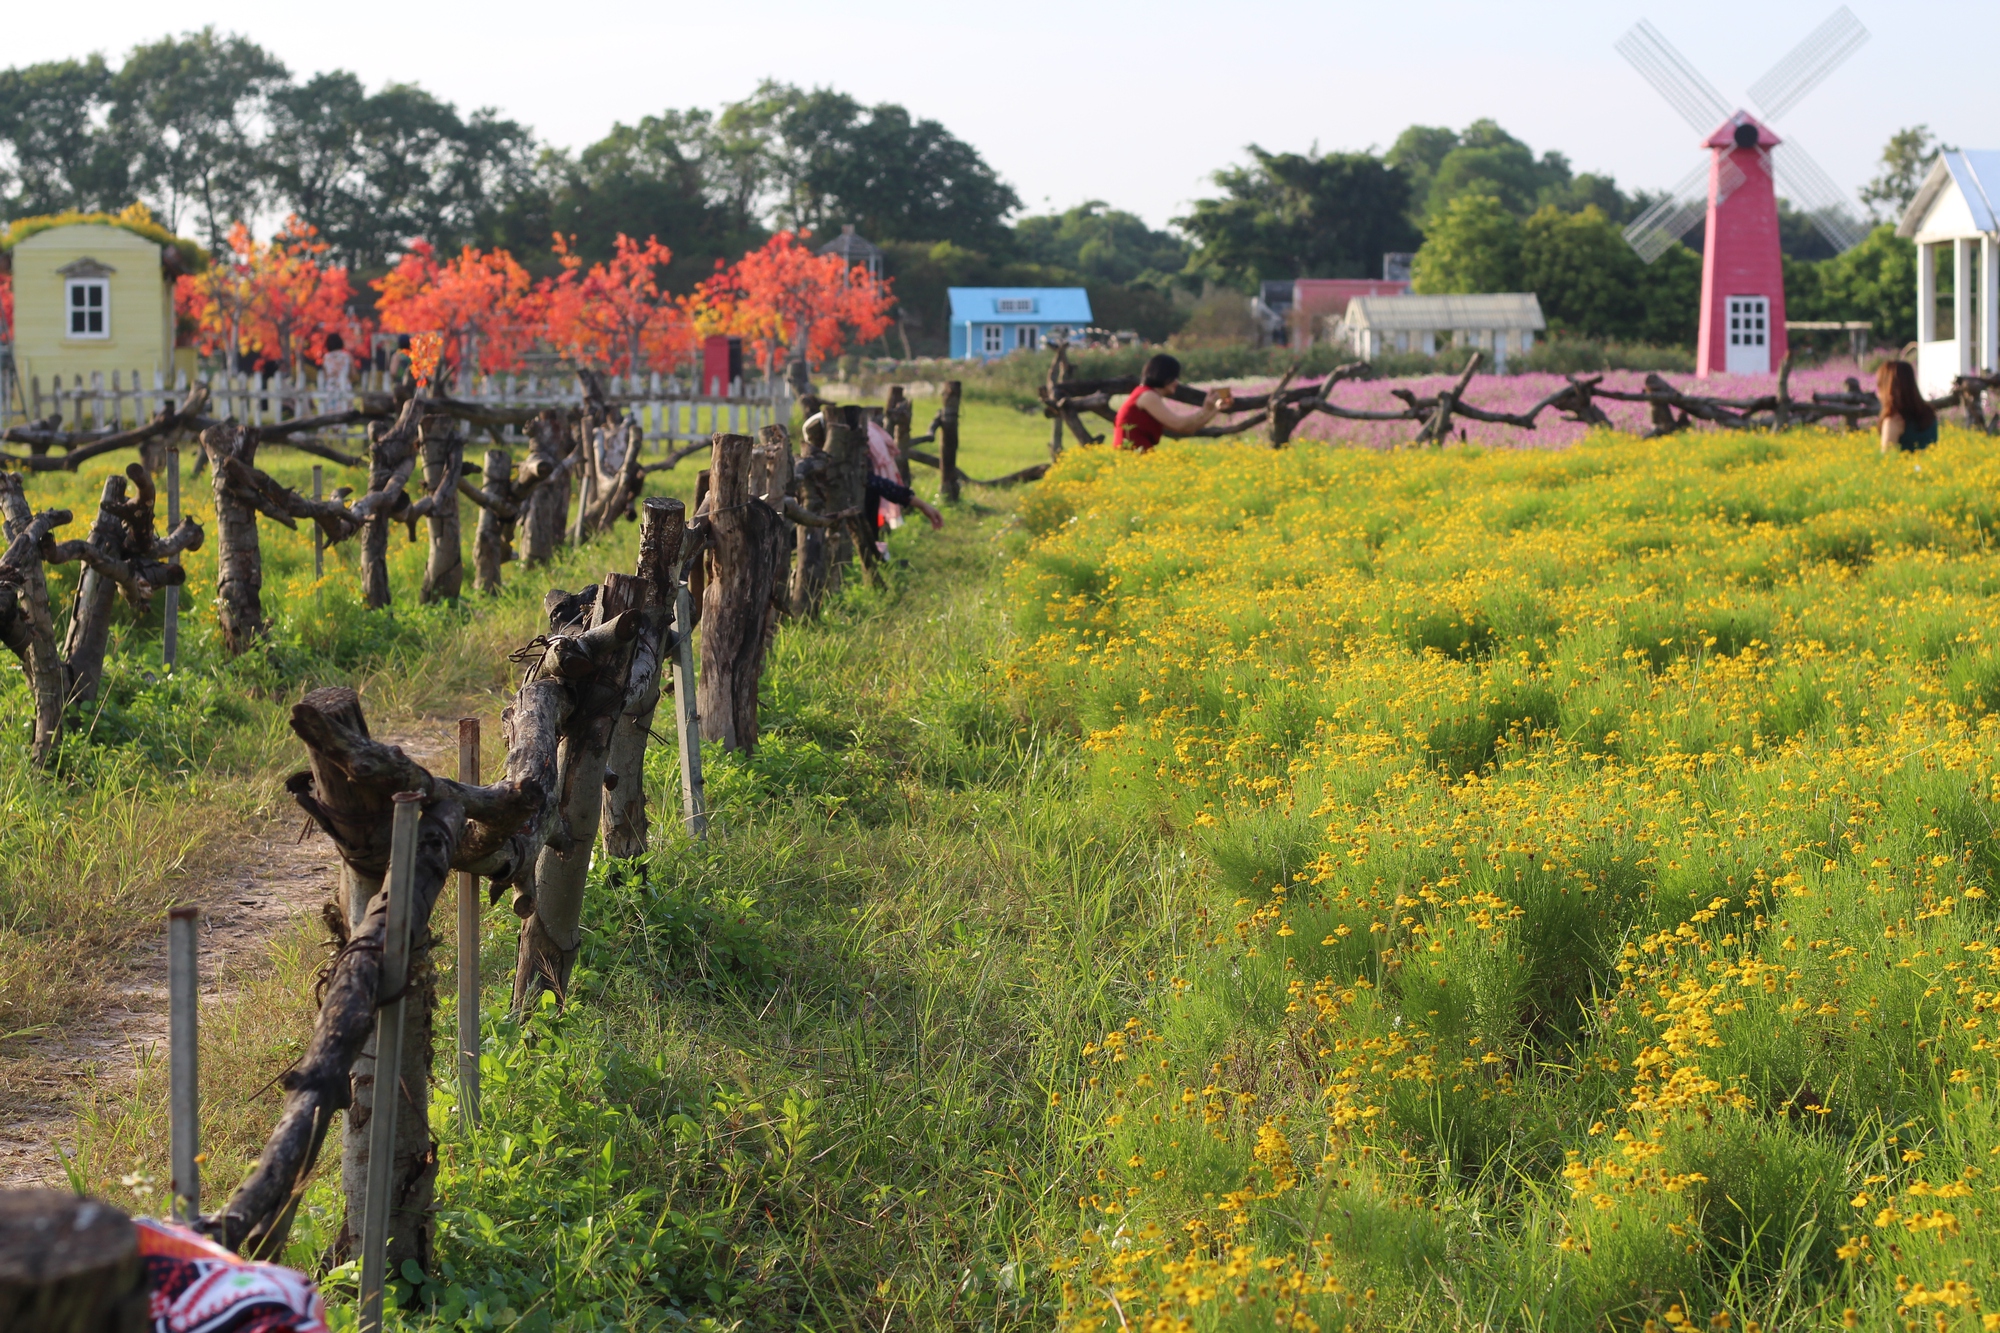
(275, 879)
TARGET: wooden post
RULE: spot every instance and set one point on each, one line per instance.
(389, 1056)
(551, 935)
(170, 626)
(687, 715)
(69, 1264)
(319, 537)
(549, 462)
(948, 442)
(468, 947)
(40, 658)
(896, 416)
(239, 564)
(662, 524)
(444, 454)
(184, 1086)
(736, 612)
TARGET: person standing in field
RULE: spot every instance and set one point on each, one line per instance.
(1908, 422)
(1151, 411)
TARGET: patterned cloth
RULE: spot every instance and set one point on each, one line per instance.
(199, 1287)
(882, 462)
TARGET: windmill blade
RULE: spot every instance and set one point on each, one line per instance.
(1808, 63)
(1654, 231)
(1674, 79)
(1801, 180)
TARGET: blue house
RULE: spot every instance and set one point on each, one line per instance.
(992, 321)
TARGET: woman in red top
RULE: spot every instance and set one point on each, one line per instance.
(1151, 411)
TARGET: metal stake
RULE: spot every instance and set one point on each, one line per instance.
(687, 718)
(319, 533)
(388, 1057)
(468, 946)
(170, 628)
(184, 1096)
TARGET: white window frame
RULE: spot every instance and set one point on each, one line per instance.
(1027, 337)
(992, 339)
(72, 310)
(1015, 305)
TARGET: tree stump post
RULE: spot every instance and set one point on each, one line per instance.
(239, 564)
(812, 559)
(896, 416)
(90, 610)
(25, 623)
(551, 933)
(444, 458)
(948, 443)
(847, 491)
(69, 1265)
(547, 469)
(662, 524)
(489, 542)
(736, 611)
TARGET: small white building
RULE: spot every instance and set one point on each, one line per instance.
(1955, 211)
(1497, 323)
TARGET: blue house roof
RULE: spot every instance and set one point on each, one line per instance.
(1019, 305)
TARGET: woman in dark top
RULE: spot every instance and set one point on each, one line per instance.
(1908, 422)
(1151, 412)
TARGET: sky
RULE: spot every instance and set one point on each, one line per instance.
(1132, 103)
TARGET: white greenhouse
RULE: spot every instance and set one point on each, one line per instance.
(1497, 323)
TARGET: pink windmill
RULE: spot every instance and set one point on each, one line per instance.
(1742, 272)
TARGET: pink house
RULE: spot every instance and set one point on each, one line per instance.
(1315, 301)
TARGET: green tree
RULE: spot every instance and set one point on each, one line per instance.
(1103, 244)
(1417, 153)
(1473, 246)
(1586, 276)
(1292, 215)
(1670, 299)
(1906, 159)
(186, 108)
(1875, 281)
(1490, 161)
(52, 156)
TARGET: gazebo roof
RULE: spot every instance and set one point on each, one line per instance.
(851, 246)
(1487, 310)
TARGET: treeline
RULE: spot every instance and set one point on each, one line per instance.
(208, 128)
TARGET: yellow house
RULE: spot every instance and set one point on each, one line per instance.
(93, 307)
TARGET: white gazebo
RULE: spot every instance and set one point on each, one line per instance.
(1955, 209)
(1495, 322)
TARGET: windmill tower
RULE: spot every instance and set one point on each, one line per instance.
(1736, 189)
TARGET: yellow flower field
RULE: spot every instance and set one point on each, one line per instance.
(1609, 848)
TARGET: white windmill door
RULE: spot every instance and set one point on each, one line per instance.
(1749, 335)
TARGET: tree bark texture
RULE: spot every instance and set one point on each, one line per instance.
(392, 460)
(947, 433)
(25, 623)
(551, 934)
(847, 449)
(744, 561)
(498, 508)
(69, 1264)
(812, 554)
(896, 414)
(662, 522)
(547, 468)
(444, 455)
(239, 564)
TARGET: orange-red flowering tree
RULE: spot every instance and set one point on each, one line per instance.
(781, 297)
(276, 300)
(616, 316)
(481, 302)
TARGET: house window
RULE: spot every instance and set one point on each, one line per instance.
(1016, 305)
(992, 339)
(89, 306)
(1025, 337)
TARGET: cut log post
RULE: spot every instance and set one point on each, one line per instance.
(947, 434)
(25, 623)
(239, 564)
(90, 610)
(603, 636)
(896, 414)
(819, 487)
(444, 458)
(497, 510)
(349, 794)
(1781, 415)
(547, 471)
(392, 460)
(737, 607)
(847, 487)
(662, 523)
(69, 1264)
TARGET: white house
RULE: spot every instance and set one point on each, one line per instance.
(1955, 211)
(1495, 322)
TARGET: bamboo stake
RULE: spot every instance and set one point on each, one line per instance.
(170, 628)
(687, 717)
(319, 533)
(184, 1097)
(468, 946)
(388, 1057)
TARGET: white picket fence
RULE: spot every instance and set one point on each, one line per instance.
(667, 408)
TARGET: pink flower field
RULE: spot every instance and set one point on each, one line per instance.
(1517, 393)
